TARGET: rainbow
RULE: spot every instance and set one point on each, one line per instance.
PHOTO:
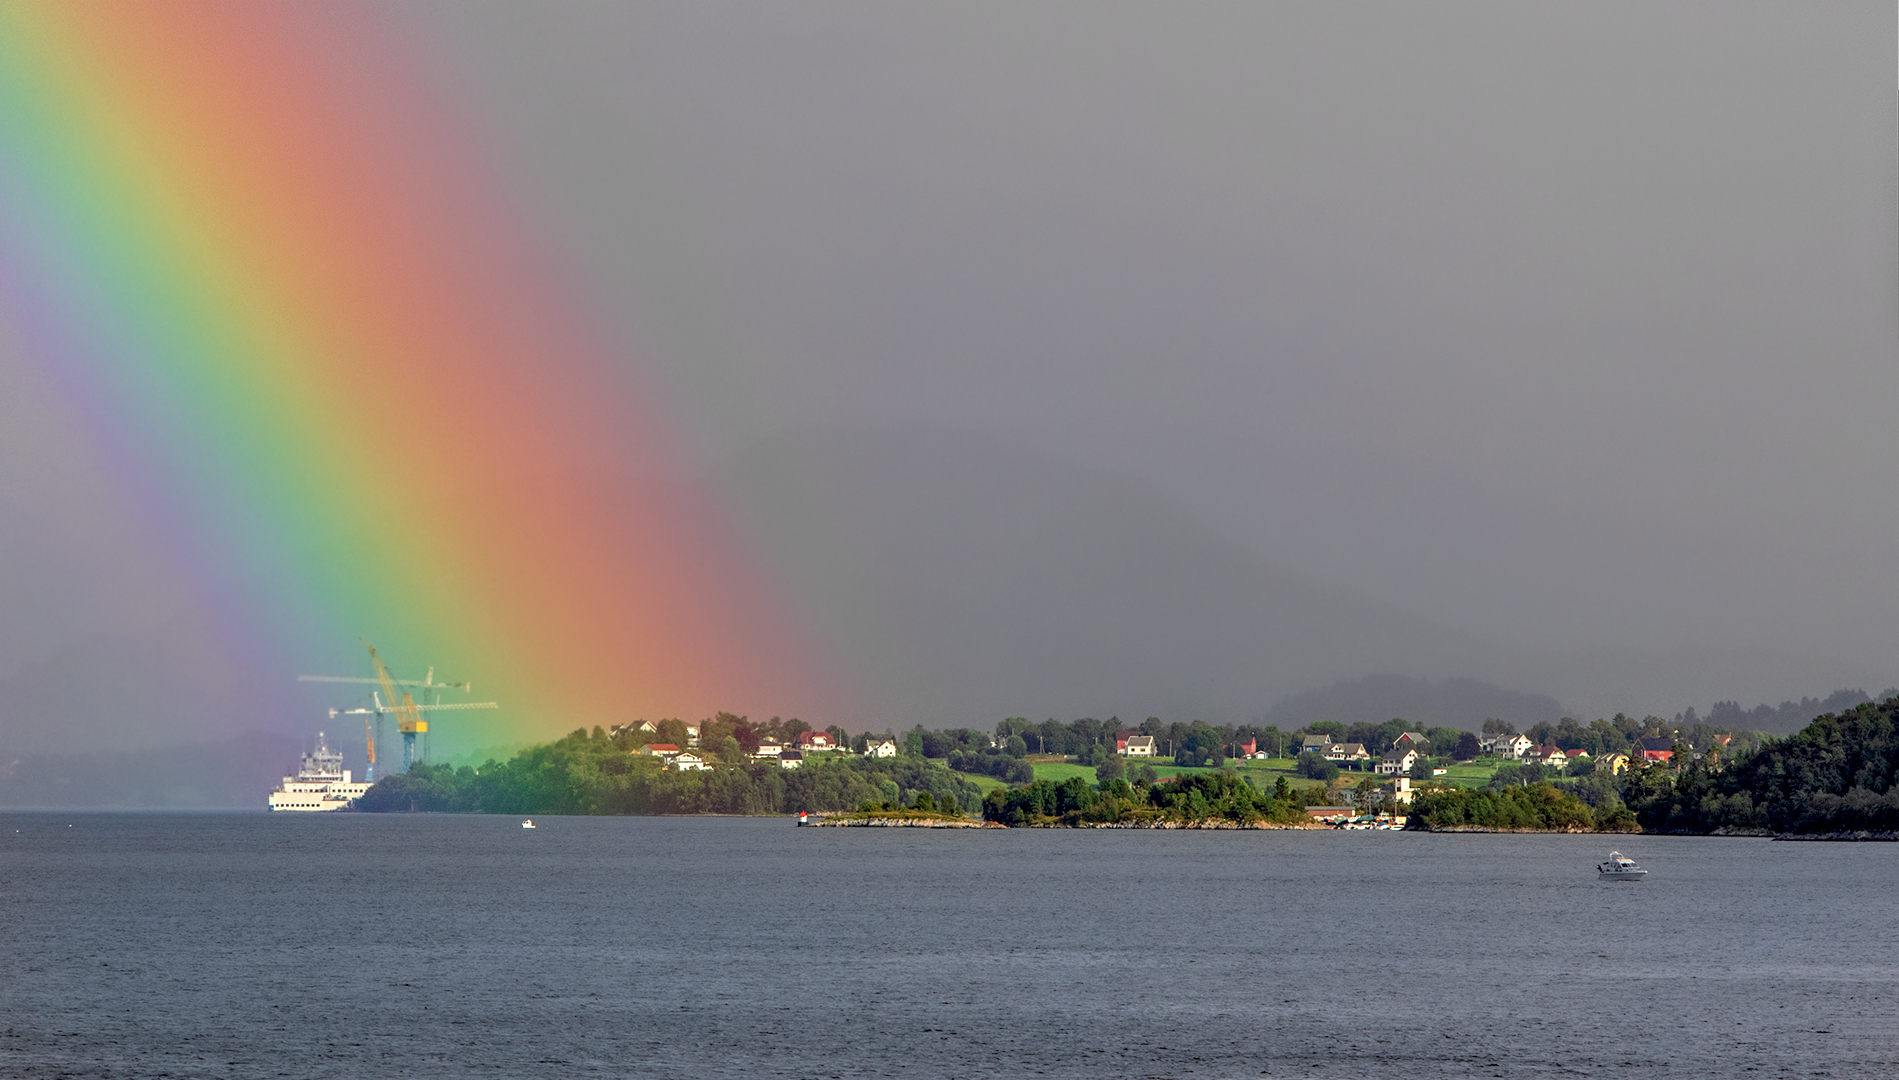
(337, 389)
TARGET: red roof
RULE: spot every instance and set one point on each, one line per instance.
(661, 748)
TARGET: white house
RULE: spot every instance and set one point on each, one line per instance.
(1549, 755)
(1506, 746)
(1315, 744)
(692, 734)
(1403, 795)
(790, 759)
(882, 749)
(1347, 751)
(1399, 760)
(768, 751)
(1140, 746)
(687, 761)
(658, 749)
(815, 742)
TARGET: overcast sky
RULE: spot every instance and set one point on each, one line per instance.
(1570, 327)
(1568, 324)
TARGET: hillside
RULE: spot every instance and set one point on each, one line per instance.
(1834, 777)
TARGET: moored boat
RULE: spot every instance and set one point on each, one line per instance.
(321, 783)
(1619, 867)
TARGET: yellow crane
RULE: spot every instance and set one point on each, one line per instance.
(408, 713)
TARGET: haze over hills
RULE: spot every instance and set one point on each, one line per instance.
(964, 580)
(1374, 699)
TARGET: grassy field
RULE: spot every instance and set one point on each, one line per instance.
(981, 781)
(1472, 774)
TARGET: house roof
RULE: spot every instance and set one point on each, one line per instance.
(1399, 753)
(659, 748)
(1576, 753)
(1143, 740)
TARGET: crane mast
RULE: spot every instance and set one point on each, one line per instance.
(408, 720)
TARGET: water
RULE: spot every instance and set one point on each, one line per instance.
(395, 946)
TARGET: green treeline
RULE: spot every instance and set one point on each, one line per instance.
(591, 773)
(1836, 776)
(1191, 798)
(1529, 806)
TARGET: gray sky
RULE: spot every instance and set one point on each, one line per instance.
(1566, 324)
(1564, 334)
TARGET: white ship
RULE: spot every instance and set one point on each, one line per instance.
(321, 783)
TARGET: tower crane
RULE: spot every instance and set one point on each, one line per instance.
(407, 711)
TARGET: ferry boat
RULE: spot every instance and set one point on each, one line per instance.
(321, 783)
(1620, 868)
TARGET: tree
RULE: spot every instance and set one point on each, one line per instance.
(1467, 746)
(1313, 767)
(1494, 726)
(1201, 745)
(924, 801)
(1111, 768)
(730, 751)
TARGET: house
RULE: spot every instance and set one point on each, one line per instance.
(1246, 747)
(768, 751)
(1548, 755)
(1655, 748)
(1260, 755)
(1403, 794)
(1139, 746)
(692, 734)
(1331, 813)
(1414, 740)
(1121, 742)
(1506, 746)
(1399, 760)
(1315, 744)
(790, 759)
(882, 749)
(1575, 755)
(815, 742)
(658, 749)
(1347, 751)
(1615, 762)
(687, 761)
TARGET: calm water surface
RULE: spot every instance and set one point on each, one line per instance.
(382, 946)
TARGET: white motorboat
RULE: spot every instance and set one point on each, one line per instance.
(1620, 867)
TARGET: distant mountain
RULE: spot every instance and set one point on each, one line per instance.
(1374, 699)
(963, 580)
(232, 774)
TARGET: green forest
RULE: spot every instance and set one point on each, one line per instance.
(593, 773)
(1834, 777)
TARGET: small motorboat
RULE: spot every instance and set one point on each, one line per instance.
(528, 824)
(1619, 867)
